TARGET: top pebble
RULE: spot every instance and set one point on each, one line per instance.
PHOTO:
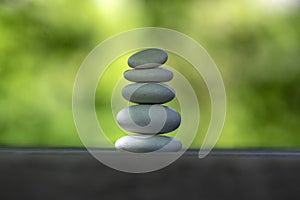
(149, 58)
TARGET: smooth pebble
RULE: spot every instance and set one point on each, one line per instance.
(148, 93)
(142, 144)
(149, 119)
(148, 58)
(149, 75)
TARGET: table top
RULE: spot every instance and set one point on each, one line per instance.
(72, 173)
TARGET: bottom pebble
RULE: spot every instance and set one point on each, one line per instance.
(144, 144)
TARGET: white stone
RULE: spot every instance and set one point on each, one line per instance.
(144, 144)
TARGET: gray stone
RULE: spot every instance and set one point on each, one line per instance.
(144, 144)
(148, 93)
(149, 75)
(148, 58)
(149, 119)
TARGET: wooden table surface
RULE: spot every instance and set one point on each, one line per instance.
(72, 173)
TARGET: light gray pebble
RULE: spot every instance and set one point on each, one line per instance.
(149, 75)
(144, 144)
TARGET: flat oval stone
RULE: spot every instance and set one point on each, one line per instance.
(149, 75)
(148, 93)
(148, 58)
(142, 144)
(149, 119)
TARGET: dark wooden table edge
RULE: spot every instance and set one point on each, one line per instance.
(249, 152)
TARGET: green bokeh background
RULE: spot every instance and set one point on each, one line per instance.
(256, 45)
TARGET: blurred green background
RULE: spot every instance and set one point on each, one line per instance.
(256, 45)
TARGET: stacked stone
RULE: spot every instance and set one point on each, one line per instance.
(149, 119)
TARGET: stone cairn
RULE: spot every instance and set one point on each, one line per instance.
(149, 119)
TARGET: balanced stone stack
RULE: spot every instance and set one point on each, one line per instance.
(149, 119)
